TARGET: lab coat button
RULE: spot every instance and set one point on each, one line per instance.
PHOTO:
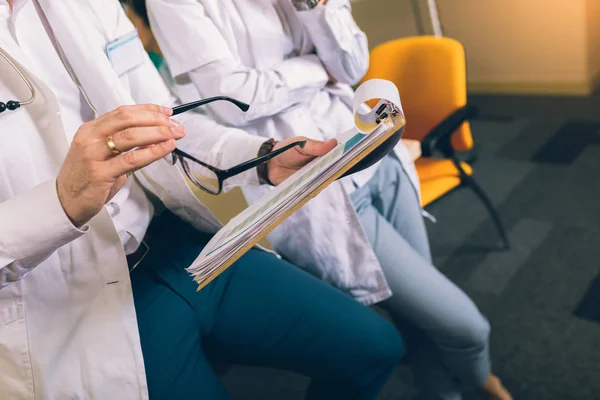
(113, 208)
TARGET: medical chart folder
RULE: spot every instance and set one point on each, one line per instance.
(377, 130)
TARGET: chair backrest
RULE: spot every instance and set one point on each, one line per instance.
(430, 73)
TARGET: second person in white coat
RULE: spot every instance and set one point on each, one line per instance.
(294, 62)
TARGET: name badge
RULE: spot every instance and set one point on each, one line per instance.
(125, 53)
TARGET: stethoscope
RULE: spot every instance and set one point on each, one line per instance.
(13, 105)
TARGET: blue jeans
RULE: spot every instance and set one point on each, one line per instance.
(445, 334)
(262, 311)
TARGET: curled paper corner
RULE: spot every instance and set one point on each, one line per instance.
(365, 118)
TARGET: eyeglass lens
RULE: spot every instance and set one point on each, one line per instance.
(201, 176)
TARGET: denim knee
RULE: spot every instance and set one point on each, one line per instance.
(475, 333)
(481, 332)
(388, 346)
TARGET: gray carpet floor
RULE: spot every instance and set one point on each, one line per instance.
(539, 161)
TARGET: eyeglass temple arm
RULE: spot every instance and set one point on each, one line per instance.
(227, 173)
(259, 160)
(189, 106)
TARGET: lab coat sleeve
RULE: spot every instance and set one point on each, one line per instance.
(294, 81)
(34, 225)
(192, 44)
(341, 45)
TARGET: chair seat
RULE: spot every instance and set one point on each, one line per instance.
(438, 177)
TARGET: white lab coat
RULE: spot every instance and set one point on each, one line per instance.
(198, 36)
(68, 327)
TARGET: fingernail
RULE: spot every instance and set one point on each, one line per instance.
(174, 122)
(178, 131)
(169, 144)
(167, 111)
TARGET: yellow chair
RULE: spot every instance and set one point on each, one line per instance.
(430, 73)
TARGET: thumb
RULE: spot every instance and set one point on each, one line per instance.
(119, 183)
(317, 148)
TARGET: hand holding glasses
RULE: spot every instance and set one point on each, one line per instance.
(209, 178)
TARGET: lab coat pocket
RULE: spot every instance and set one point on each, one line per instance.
(16, 380)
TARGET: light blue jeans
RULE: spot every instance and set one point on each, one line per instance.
(446, 336)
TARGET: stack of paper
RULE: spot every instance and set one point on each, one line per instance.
(373, 126)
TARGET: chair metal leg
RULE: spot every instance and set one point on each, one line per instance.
(471, 183)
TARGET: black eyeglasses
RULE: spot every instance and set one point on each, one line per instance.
(209, 178)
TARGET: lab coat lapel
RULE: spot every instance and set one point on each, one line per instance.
(15, 54)
(89, 62)
(258, 16)
(218, 12)
(9, 47)
(302, 41)
(44, 110)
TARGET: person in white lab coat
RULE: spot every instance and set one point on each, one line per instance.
(294, 62)
(95, 302)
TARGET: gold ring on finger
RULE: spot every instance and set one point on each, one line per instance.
(111, 145)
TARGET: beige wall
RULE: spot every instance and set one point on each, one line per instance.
(397, 20)
(512, 45)
(593, 24)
